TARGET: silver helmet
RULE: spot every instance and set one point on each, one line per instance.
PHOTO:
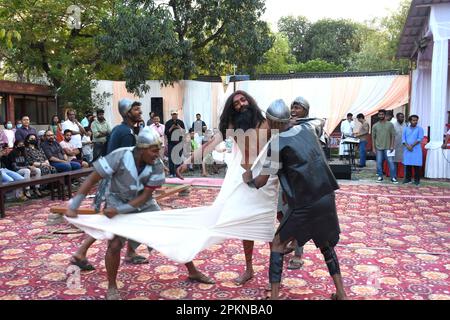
(124, 107)
(278, 111)
(148, 137)
(301, 102)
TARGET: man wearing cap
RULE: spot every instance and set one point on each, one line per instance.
(174, 131)
(121, 136)
(296, 156)
(135, 172)
(40, 138)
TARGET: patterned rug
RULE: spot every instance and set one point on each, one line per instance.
(394, 245)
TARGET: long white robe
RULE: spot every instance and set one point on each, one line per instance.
(239, 212)
(347, 131)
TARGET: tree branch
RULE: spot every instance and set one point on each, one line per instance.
(178, 29)
(210, 38)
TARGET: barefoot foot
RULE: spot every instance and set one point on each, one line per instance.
(243, 278)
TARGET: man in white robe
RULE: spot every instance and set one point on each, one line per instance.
(347, 127)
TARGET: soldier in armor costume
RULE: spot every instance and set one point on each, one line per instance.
(296, 156)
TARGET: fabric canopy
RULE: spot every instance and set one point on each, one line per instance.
(330, 98)
(333, 98)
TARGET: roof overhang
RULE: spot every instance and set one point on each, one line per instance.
(412, 37)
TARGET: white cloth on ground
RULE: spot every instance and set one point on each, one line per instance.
(239, 212)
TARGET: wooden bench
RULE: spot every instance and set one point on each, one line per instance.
(71, 175)
(56, 178)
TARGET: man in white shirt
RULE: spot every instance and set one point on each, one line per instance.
(76, 128)
(159, 128)
(347, 127)
(70, 150)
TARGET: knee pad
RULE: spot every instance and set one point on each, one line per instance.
(276, 267)
(331, 260)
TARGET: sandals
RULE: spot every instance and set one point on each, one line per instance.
(295, 263)
(84, 264)
(136, 260)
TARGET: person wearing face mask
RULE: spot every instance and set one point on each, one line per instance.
(10, 134)
(18, 125)
(18, 163)
(36, 157)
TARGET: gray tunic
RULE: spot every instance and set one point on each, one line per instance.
(126, 184)
(398, 141)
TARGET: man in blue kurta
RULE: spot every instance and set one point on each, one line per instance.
(412, 149)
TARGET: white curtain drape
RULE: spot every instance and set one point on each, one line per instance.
(333, 98)
(436, 166)
(421, 93)
(197, 99)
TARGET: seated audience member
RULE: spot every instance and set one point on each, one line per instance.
(36, 157)
(71, 151)
(9, 175)
(19, 164)
(56, 155)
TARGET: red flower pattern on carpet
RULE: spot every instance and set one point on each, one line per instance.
(394, 245)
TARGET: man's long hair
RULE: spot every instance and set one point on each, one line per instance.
(250, 118)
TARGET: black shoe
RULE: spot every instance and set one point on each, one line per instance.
(28, 194)
(406, 181)
(38, 193)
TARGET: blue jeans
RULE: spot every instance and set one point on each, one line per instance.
(10, 176)
(381, 156)
(362, 153)
(65, 166)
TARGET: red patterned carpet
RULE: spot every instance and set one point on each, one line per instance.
(395, 245)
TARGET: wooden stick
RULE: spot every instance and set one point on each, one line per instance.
(167, 192)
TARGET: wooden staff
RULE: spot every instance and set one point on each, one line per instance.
(167, 191)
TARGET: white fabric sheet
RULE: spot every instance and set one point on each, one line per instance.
(438, 164)
(239, 212)
(440, 27)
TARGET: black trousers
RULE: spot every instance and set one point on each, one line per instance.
(172, 166)
(408, 173)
